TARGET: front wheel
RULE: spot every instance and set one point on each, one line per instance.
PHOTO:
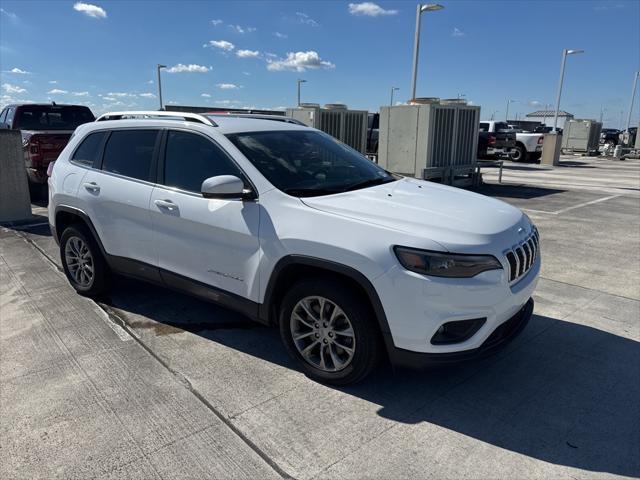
(328, 328)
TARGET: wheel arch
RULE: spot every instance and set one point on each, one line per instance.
(293, 267)
(66, 216)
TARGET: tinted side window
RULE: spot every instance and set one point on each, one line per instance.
(190, 159)
(88, 151)
(130, 153)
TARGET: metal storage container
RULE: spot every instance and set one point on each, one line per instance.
(429, 140)
(348, 126)
(581, 136)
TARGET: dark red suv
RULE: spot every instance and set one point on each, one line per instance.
(46, 129)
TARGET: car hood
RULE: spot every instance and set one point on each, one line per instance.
(456, 219)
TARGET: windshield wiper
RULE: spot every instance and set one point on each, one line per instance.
(368, 183)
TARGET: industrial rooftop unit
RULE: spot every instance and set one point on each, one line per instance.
(348, 126)
(581, 136)
(430, 139)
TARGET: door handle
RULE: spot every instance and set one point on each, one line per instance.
(166, 204)
(92, 187)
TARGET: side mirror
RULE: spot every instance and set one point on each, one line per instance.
(225, 187)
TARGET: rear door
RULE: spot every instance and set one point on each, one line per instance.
(116, 194)
(212, 241)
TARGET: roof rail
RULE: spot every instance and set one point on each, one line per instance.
(259, 116)
(155, 114)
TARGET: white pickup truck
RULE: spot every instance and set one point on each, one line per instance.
(528, 146)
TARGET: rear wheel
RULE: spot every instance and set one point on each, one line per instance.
(82, 261)
(519, 153)
(328, 328)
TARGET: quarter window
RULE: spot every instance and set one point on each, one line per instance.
(130, 153)
(190, 159)
(89, 150)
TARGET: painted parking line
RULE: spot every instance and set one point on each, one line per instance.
(580, 205)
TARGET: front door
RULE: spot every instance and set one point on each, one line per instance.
(212, 241)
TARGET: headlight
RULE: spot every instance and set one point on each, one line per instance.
(450, 265)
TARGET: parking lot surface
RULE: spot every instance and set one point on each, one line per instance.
(148, 383)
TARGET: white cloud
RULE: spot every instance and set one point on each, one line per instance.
(228, 102)
(191, 68)
(205, 95)
(221, 44)
(216, 22)
(240, 29)
(369, 9)
(299, 62)
(150, 82)
(90, 10)
(109, 99)
(228, 86)
(246, 73)
(7, 87)
(306, 19)
(457, 32)
(534, 103)
(17, 71)
(80, 94)
(147, 95)
(248, 53)
(121, 94)
(280, 35)
(57, 91)
(53, 82)
(9, 14)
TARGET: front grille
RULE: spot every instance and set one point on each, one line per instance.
(522, 257)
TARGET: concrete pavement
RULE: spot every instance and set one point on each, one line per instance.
(154, 384)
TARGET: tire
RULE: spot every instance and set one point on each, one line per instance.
(323, 334)
(519, 153)
(91, 278)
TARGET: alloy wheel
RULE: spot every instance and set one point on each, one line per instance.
(322, 333)
(79, 261)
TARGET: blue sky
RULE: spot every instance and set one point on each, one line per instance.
(103, 53)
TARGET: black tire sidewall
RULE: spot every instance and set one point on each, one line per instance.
(367, 351)
(522, 153)
(100, 268)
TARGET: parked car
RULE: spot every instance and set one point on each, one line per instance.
(294, 229)
(528, 146)
(495, 140)
(610, 136)
(46, 129)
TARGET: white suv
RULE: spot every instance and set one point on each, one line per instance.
(294, 229)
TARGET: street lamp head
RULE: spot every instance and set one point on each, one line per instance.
(574, 52)
(431, 7)
(161, 66)
(301, 81)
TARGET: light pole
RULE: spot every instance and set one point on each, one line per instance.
(506, 115)
(299, 82)
(493, 115)
(602, 110)
(565, 52)
(160, 67)
(393, 89)
(432, 7)
(633, 97)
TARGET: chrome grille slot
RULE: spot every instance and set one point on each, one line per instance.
(522, 257)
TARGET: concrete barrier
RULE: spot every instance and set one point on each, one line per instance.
(551, 149)
(15, 202)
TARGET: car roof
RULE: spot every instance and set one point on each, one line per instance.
(224, 125)
(232, 124)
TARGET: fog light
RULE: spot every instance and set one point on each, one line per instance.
(456, 332)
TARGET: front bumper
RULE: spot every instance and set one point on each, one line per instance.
(500, 337)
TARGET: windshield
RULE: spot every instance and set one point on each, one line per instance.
(308, 163)
(45, 117)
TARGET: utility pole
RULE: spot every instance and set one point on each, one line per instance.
(299, 82)
(160, 67)
(633, 97)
